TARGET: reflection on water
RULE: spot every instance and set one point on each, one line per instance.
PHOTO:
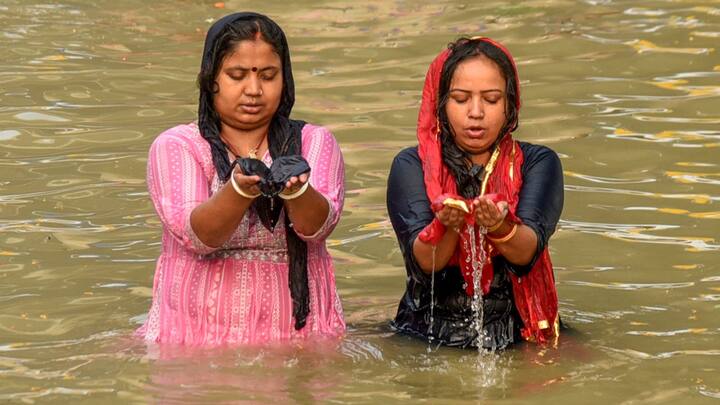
(627, 94)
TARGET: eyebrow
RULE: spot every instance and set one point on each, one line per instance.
(470, 92)
(245, 69)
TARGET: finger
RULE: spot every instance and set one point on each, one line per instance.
(503, 207)
(243, 180)
(440, 215)
(491, 209)
(291, 182)
(445, 215)
(304, 177)
(452, 219)
(486, 213)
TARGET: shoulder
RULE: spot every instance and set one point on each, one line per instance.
(406, 169)
(539, 156)
(319, 143)
(184, 138)
(312, 134)
(407, 158)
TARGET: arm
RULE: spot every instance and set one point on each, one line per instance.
(409, 210)
(522, 247)
(316, 212)
(453, 219)
(539, 207)
(215, 220)
(180, 193)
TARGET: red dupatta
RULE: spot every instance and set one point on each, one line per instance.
(535, 294)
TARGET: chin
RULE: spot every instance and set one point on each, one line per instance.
(475, 147)
(251, 121)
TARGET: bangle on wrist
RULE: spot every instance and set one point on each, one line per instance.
(240, 190)
(296, 194)
(505, 238)
(495, 227)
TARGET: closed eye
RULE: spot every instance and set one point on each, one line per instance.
(237, 75)
(460, 98)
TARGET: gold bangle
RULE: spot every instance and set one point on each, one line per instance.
(296, 194)
(239, 190)
(506, 237)
(496, 226)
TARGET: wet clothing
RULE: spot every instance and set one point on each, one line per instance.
(539, 207)
(237, 293)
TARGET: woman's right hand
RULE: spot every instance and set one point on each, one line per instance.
(452, 218)
(248, 184)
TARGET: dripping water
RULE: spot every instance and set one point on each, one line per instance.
(477, 300)
(490, 374)
(432, 303)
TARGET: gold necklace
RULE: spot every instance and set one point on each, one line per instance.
(252, 153)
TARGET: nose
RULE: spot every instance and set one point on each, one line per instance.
(477, 109)
(253, 88)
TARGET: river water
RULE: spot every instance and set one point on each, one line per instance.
(628, 93)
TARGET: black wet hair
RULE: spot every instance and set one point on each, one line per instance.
(218, 46)
(457, 160)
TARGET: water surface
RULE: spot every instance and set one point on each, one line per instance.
(626, 92)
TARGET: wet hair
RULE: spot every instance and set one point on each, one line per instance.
(457, 160)
(284, 134)
(248, 27)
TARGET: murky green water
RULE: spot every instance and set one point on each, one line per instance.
(627, 92)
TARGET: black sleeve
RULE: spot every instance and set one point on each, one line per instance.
(541, 197)
(408, 206)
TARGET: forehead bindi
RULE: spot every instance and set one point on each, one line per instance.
(253, 55)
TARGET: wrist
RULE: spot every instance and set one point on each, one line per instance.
(454, 230)
(239, 189)
(505, 235)
(295, 194)
(496, 227)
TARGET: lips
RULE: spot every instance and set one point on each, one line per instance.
(251, 108)
(475, 132)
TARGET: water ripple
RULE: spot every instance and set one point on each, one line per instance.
(629, 286)
(695, 198)
(635, 233)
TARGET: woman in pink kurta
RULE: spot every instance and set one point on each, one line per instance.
(236, 288)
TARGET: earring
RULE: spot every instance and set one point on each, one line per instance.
(437, 128)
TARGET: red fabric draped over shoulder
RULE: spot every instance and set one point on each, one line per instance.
(535, 294)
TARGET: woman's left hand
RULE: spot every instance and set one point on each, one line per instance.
(489, 214)
(295, 182)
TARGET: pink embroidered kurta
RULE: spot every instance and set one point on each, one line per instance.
(238, 293)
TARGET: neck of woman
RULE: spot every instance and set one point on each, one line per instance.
(481, 158)
(245, 143)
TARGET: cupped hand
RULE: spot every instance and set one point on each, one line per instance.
(451, 217)
(295, 183)
(248, 184)
(489, 214)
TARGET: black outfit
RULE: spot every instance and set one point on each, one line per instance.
(539, 207)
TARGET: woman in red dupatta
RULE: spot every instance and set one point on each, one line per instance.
(470, 194)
